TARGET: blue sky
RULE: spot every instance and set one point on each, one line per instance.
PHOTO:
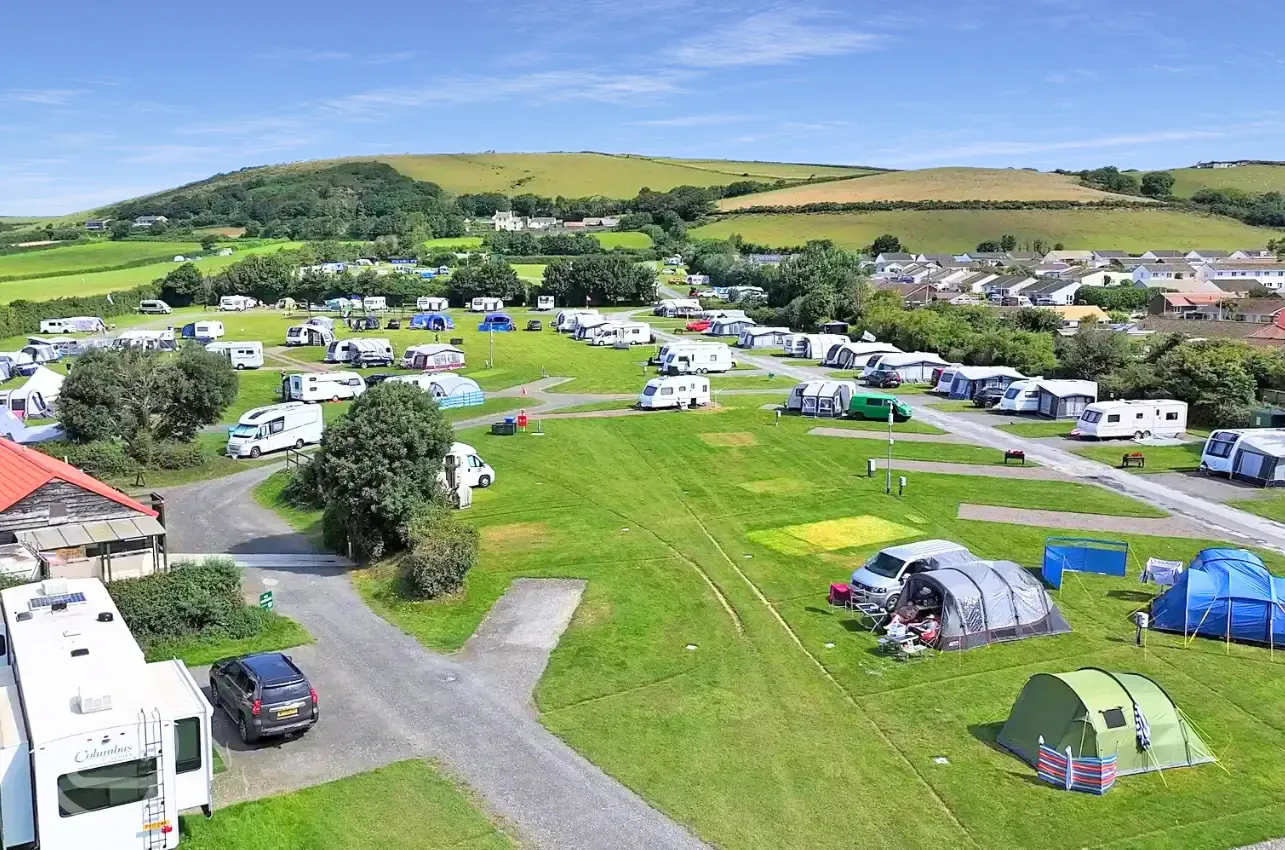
(103, 101)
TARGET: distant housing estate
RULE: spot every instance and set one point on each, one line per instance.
(506, 220)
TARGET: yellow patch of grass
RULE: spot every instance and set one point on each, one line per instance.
(830, 534)
(514, 535)
(731, 439)
(781, 486)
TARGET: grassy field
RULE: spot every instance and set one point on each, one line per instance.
(1272, 507)
(405, 806)
(770, 170)
(929, 184)
(1247, 178)
(953, 230)
(94, 283)
(89, 255)
(1039, 428)
(454, 243)
(623, 239)
(705, 671)
(1183, 458)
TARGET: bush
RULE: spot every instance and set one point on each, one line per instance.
(302, 490)
(190, 599)
(99, 458)
(442, 550)
(176, 455)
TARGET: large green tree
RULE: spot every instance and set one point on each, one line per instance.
(378, 467)
(1092, 352)
(599, 279)
(493, 279)
(1157, 184)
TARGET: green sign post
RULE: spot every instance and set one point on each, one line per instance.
(265, 600)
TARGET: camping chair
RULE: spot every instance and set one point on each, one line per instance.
(840, 596)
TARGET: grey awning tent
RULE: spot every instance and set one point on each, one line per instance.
(984, 602)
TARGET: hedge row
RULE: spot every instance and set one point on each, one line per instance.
(111, 458)
(24, 317)
(190, 599)
(891, 206)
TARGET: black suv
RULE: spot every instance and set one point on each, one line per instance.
(264, 694)
(988, 396)
(883, 379)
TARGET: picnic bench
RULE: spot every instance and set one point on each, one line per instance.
(1014, 454)
(1137, 459)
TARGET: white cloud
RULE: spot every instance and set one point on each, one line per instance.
(692, 121)
(46, 97)
(390, 58)
(771, 38)
(1016, 148)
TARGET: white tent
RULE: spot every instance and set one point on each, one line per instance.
(815, 346)
(13, 428)
(821, 398)
(1064, 399)
(853, 355)
(915, 367)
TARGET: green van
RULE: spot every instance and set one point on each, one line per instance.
(868, 405)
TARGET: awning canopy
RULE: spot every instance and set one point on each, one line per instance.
(71, 535)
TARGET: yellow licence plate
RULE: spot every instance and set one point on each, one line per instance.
(286, 712)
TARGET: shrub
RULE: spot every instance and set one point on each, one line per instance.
(442, 550)
(190, 599)
(171, 455)
(302, 490)
(99, 458)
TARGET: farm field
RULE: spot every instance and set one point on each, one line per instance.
(96, 283)
(770, 170)
(93, 255)
(1247, 178)
(454, 243)
(704, 627)
(929, 184)
(354, 814)
(956, 230)
(623, 239)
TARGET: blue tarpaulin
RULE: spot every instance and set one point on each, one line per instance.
(1224, 593)
(1082, 555)
(431, 322)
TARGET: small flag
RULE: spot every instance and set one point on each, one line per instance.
(1141, 729)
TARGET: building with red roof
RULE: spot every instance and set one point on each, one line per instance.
(75, 524)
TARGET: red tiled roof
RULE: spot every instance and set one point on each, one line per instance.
(23, 471)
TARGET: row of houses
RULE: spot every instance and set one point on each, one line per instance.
(506, 220)
(1094, 259)
(99, 225)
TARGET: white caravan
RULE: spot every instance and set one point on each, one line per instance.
(235, 303)
(679, 392)
(544, 303)
(587, 326)
(567, 320)
(100, 749)
(73, 325)
(154, 305)
(325, 386)
(697, 358)
(242, 355)
(630, 333)
(1104, 420)
(486, 305)
(377, 303)
(277, 426)
(309, 334)
(429, 304)
(476, 472)
(1020, 397)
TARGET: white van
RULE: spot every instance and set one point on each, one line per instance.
(242, 355)
(154, 305)
(543, 303)
(476, 472)
(486, 305)
(699, 358)
(237, 303)
(275, 427)
(429, 304)
(1104, 420)
(679, 392)
(325, 386)
(632, 333)
(1021, 397)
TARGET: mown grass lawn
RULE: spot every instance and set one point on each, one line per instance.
(1038, 428)
(79, 256)
(1271, 507)
(745, 738)
(1183, 458)
(405, 806)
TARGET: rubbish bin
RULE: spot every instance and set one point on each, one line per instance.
(504, 429)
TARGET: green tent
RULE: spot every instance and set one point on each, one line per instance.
(1092, 712)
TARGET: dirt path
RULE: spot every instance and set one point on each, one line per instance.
(1030, 473)
(1157, 527)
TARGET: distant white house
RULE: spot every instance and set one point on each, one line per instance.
(1150, 274)
(538, 222)
(1052, 292)
(506, 220)
(149, 220)
(97, 225)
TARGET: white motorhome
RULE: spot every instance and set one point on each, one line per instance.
(697, 358)
(277, 426)
(429, 304)
(544, 303)
(325, 386)
(242, 355)
(376, 303)
(1105, 420)
(679, 392)
(154, 305)
(630, 333)
(99, 748)
(486, 305)
(476, 472)
(586, 327)
(73, 325)
(237, 303)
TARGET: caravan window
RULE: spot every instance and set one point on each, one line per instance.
(1221, 443)
(1091, 416)
(1114, 417)
(666, 390)
(1171, 416)
(105, 787)
(649, 391)
(1114, 718)
(187, 745)
(276, 426)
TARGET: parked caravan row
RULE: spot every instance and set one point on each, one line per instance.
(101, 749)
(676, 393)
(275, 427)
(1052, 399)
(73, 325)
(1137, 419)
(242, 355)
(485, 305)
(812, 346)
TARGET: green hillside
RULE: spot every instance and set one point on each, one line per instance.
(93, 255)
(954, 230)
(1247, 178)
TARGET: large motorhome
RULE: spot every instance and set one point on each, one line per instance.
(242, 355)
(1137, 419)
(324, 386)
(236, 303)
(100, 749)
(630, 333)
(277, 426)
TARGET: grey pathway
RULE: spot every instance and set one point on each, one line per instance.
(510, 649)
(1206, 487)
(882, 436)
(1158, 527)
(1035, 473)
(385, 698)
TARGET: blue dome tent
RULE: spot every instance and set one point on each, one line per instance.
(1224, 593)
(431, 322)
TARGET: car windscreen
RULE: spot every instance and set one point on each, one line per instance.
(885, 565)
(285, 693)
(244, 430)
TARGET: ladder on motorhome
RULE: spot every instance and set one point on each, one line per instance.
(156, 825)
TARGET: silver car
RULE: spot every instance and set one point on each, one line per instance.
(879, 582)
